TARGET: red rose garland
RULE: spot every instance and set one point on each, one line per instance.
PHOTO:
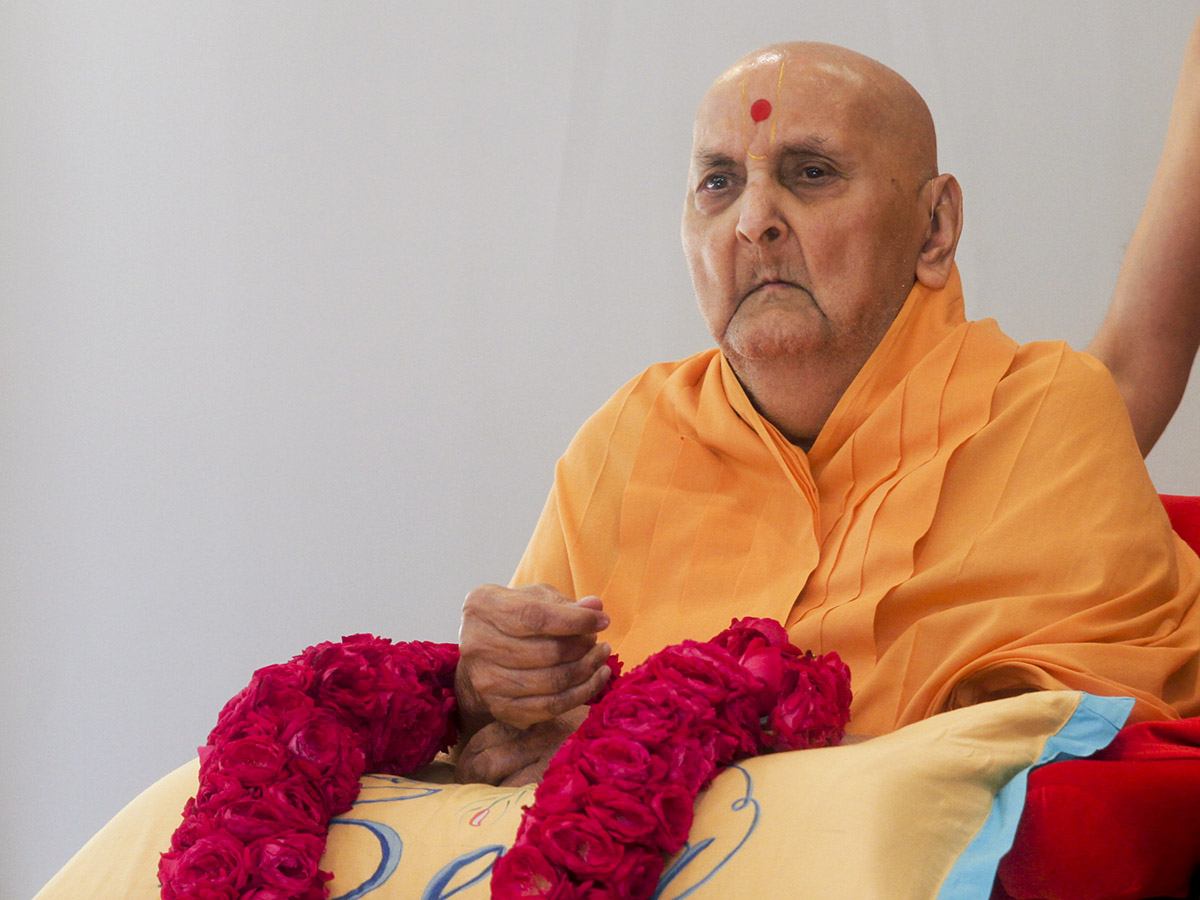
(617, 798)
(286, 755)
(288, 751)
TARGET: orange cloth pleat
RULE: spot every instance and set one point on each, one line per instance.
(973, 520)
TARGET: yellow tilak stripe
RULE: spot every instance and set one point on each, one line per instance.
(774, 116)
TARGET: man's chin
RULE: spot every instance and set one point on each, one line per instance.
(762, 329)
(766, 344)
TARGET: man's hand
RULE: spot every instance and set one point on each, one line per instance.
(528, 654)
(503, 755)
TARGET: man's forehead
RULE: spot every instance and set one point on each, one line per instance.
(771, 81)
(805, 93)
(715, 152)
(808, 106)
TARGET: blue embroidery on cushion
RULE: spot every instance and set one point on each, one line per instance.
(437, 887)
(406, 787)
(693, 852)
(443, 885)
(390, 848)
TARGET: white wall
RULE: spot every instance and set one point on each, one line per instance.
(299, 302)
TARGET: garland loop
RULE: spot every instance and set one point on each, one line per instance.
(288, 751)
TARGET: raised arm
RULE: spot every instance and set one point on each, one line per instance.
(1149, 338)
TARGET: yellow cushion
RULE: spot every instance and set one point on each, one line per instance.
(924, 812)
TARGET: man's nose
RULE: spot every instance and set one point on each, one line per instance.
(761, 221)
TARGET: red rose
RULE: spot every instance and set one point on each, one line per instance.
(835, 675)
(690, 667)
(214, 867)
(747, 633)
(815, 712)
(299, 803)
(530, 829)
(235, 708)
(366, 646)
(346, 681)
(282, 696)
(291, 805)
(324, 749)
(288, 863)
(619, 761)
(652, 713)
(622, 815)
(688, 763)
(272, 696)
(740, 719)
(250, 818)
(706, 671)
(195, 825)
(252, 760)
(216, 788)
(288, 751)
(411, 731)
(767, 665)
(634, 878)
(322, 744)
(247, 722)
(561, 790)
(580, 844)
(272, 685)
(614, 672)
(673, 806)
(270, 893)
(439, 659)
(524, 871)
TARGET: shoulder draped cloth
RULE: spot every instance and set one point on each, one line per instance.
(973, 521)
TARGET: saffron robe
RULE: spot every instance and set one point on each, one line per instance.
(973, 520)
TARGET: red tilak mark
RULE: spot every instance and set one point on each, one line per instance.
(760, 109)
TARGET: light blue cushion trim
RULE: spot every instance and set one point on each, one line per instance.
(1091, 727)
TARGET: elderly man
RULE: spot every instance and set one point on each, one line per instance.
(959, 517)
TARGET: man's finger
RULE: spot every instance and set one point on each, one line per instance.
(591, 602)
(531, 774)
(502, 650)
(525, 711)
(497, 752)
(539, 617)
(514, 683)
(544, 653)
(532, 610)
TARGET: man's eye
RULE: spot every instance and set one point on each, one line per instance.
(716, 182)
(814, 172)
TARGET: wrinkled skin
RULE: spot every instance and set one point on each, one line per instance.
(528, 655)
(501, 754)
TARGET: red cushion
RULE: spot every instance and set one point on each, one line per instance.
(1107, 830)
(1184, 513)
(1124, 825)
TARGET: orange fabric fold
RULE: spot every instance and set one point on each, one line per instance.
(973, 520)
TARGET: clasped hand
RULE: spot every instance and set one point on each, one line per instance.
(527, 656)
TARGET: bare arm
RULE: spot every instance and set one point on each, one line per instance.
(1149, 338)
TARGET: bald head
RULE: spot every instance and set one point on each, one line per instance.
(866, 89)
(814, 205)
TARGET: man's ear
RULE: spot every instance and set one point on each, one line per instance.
(944, 198)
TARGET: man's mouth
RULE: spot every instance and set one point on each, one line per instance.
(773, 283)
